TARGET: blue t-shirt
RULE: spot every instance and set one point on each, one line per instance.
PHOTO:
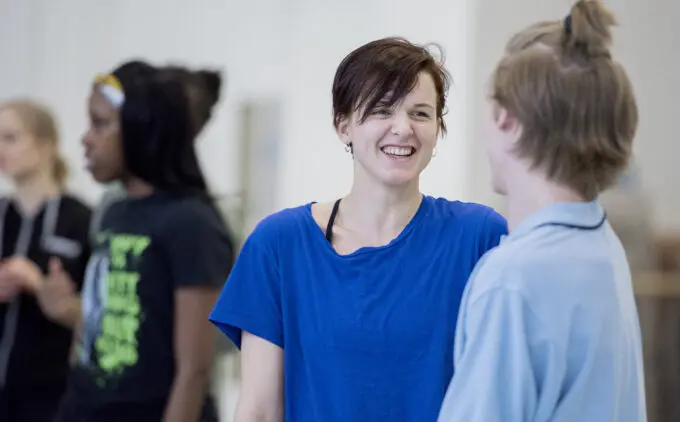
(366, 336)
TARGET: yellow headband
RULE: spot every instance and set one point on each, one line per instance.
(111, 88)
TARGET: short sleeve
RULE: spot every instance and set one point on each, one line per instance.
(251, 298)
(494, 228)
(198, 245)
(501, 361)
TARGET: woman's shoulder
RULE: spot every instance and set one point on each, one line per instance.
(474, 218)
(446, 208)
(285, 222)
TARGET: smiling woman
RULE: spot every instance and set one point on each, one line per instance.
(356, 300)
(391, 119)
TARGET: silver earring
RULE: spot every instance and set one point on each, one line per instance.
(348, 148)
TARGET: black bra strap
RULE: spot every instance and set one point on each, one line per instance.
(331, 221)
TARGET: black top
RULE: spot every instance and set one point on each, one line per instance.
(146, 250)
(34, 351)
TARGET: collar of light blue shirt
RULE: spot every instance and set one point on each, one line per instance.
(585, 215)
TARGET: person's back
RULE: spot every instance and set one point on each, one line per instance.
(576, 285)
(548, 327)
(562, 283)
(601, 325)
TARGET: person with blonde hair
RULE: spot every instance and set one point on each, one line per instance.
(548, 328)
(39, 222)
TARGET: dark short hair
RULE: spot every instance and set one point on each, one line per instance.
(386, 70)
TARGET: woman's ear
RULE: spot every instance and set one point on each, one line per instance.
(343, 131)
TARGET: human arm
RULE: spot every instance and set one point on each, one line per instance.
(261, 395)
(502, 361)
(194, 347)
(200, 256)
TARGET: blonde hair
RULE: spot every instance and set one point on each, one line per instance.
(576, 105)
(41, 124)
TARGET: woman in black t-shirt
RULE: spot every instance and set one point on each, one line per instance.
(38, 222)
(202, 88)
(160, 257)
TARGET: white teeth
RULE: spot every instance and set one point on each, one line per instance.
(401, 151)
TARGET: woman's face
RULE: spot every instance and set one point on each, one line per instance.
(102, 141)
(21, 154)
(394, 145)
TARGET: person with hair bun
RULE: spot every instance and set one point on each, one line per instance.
(203, 91)
(160, 257)
(548, 328)
(38, 221)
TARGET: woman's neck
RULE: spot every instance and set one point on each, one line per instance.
(379, 212)
(31, 192)
(137, 188)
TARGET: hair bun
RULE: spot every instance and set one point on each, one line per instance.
(587, 29)
(212, 81)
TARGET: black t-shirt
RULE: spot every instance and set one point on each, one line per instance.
(39, 348)
(146, 249)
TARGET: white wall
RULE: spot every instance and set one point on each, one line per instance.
(495, 21)
(648, 47)
(268, 49)
(290, 49)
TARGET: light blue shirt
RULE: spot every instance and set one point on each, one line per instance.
(548, 328)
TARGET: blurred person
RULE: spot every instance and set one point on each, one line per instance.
(342, 308)
(203, 91)
(548, 328)
(39, 221)
(162, 253)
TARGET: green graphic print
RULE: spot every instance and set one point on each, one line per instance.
(111, 305)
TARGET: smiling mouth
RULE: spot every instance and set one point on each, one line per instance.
(398, 152)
